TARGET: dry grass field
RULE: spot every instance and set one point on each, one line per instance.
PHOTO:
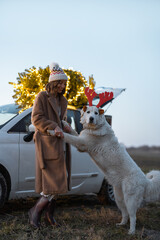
(84, 217)
(148, 158)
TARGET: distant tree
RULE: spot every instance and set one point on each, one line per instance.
(33, 80)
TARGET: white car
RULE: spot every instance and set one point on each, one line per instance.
(17, 159)
(17, 156)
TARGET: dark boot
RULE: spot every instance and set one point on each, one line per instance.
(50, 212)
(36, 212)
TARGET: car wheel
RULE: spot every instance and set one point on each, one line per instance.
(106, 194)
(3, 190)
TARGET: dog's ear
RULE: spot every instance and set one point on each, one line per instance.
(84, 108)
(101, 111)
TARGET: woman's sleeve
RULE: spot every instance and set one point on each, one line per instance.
(65, 116)
(39, 119)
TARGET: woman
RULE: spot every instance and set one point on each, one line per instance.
(53, 160)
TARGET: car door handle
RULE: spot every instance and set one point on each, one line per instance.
(85, 175)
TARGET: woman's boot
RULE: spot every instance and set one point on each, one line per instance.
(50, 212)
(36, 212)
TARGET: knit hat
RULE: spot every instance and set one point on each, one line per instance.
(57, 73)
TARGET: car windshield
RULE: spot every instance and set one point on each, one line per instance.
(7, 112)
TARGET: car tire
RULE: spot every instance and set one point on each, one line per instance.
(106, 194)
(3, 190)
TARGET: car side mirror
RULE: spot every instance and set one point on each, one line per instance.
(29, 136)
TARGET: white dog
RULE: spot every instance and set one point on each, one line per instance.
(131, 185)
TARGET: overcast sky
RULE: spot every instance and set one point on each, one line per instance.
(117, 41)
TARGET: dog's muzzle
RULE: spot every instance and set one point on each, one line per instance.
(91, 119)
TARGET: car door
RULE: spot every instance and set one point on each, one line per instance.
(27, 157)
(26, 152)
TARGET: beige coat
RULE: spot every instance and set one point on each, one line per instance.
(53, 169)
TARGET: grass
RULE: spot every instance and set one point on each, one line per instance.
(82, 217)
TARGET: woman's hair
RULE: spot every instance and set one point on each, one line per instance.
(52, 87)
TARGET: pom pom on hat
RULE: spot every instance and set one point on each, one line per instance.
(57, 73)
(53, 66)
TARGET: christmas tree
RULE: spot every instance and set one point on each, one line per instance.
(33, 80)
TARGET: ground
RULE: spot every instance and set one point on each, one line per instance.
(84, 217)
(81, 217)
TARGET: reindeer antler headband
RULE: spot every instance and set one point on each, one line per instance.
(104, 97)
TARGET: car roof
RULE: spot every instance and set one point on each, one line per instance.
(14, 108)
(9, 108)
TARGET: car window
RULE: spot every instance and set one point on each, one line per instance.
(7, 112)
(79, 126)
(73, 118)
(70, 118)
(22, 125)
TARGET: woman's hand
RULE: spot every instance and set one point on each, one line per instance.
(59, 132)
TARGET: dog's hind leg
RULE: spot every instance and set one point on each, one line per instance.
(118, 194)
(131, 205)
(133, 202)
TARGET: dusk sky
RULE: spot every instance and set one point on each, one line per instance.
(117, 41)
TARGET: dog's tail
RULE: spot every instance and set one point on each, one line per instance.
(152, 193)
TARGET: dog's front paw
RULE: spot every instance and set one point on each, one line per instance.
(65, 123)
(66, 127)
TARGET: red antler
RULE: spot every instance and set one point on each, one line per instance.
(104, 97)
(90, 93)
